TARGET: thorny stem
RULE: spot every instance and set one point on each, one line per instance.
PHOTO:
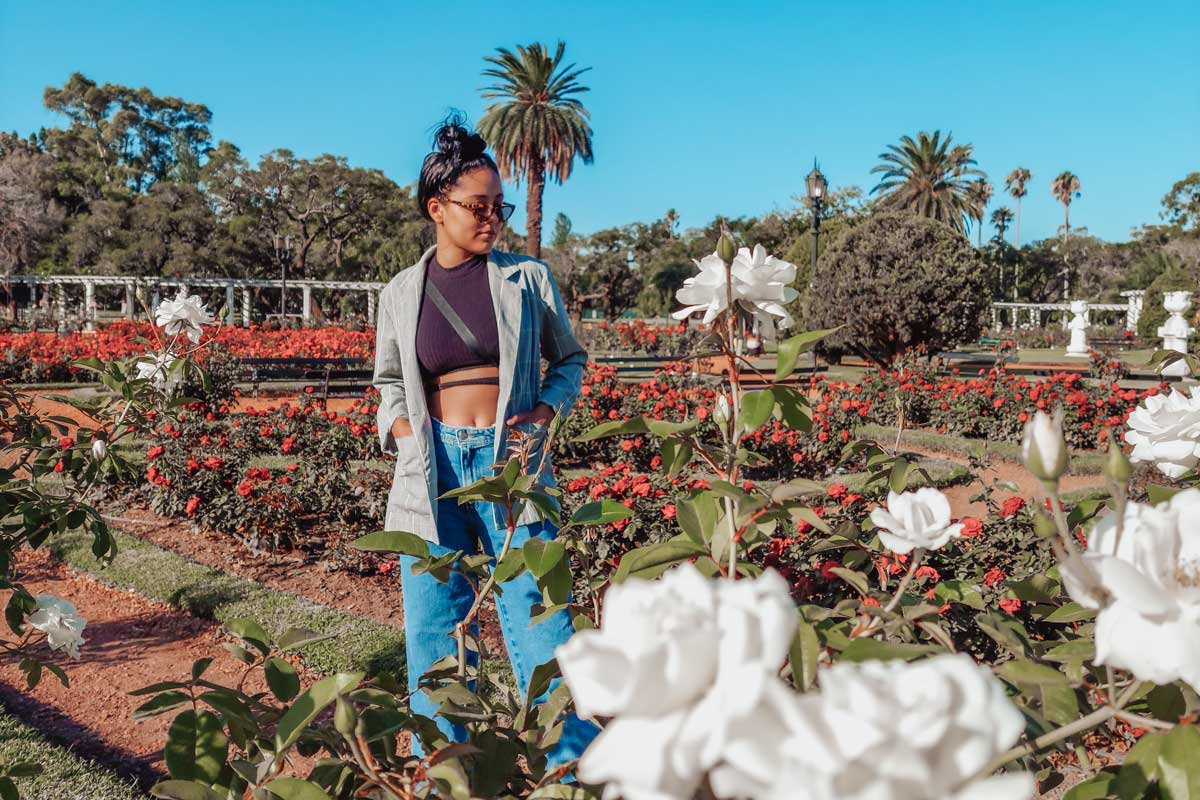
(460, 630)
(917, 558)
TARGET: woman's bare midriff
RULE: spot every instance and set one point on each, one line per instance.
(473, 405)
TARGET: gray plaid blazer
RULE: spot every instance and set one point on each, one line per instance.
(532, 323)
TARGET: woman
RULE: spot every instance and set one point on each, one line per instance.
(455, 372)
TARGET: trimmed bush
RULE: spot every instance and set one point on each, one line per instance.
(899, 281)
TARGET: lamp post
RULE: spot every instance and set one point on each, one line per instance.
(817, 186)
(283, 252)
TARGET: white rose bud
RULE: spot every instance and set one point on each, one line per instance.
(1043, 448)
(722, 412)
(99, 449)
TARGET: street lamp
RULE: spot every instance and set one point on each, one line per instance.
(816, 193)
(283, 252)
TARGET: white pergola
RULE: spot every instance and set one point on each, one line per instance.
(150, 291)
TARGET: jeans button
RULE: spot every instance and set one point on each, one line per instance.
(462, 434)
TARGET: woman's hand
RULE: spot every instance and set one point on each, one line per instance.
(540, 414)
(401, 427)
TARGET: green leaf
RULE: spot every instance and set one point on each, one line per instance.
(854, 578)
(196, 747)
(541, 556)
(601, 512)
(651, 561)
(1020, 671)
(163, 702)
(296, 789)
(1178, 765)
(1160, 494)
(1006, 631)
(1097, 788)
(199, 666)
(790, 349)
(184, 790)
(898, 478)
(403, 542)
(1070, 612)
(755, 408)
(308, 705)
(1036, 589)
(1167, 702)
(697, 516)
(561, 791)
(956, 591)
(875, 650)
(805, 650)
(282, 678)
(296, 638)
(676, 454)
(252, 632)
(512, 565)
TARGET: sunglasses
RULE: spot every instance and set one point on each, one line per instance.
(484, 211)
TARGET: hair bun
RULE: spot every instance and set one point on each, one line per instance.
(453, 138)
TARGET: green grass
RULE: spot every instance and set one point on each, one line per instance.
(65, 775)
(151, 571)
(1083, 462)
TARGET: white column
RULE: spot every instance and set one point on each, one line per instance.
(370, 306)
(1175, 331)
(1133, 310)
(245, 306)
(229, 304)
(306, 309)
(130, 301)
(60, 302)
(155, 299)
(1078, 348)
(89, 307)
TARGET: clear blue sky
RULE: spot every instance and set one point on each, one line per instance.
(705, 107)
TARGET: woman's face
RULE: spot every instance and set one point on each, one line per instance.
(479, 187)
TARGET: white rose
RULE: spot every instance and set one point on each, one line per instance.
(915, 519)
(655, 651)
(184, 314)
(688, 667)
(58, 619)
(722, 412)
(1146, 587)
(1165, 430)
(767, 281)
(919, 731)
(99, 449)
(1043, 448)
(156, 368)
(706, 290)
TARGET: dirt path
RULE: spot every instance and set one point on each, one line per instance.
(130, 642)
(998, 471)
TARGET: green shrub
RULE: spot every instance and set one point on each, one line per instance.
(899, 281)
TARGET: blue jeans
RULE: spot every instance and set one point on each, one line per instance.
(432, 609)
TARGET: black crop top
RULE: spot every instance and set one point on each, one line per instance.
(439, 347)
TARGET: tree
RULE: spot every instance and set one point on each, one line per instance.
(928, 177)
(537, 127)
(1181, 205)
(1001, 218)
(134, 136)
(562, 231)
(1065, 188)
(1014, 184)
(897, 281)
(980, 194)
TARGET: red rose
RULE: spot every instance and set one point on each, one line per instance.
(1011, 506)
(971, 527)
(827, 570)
(155, 452)
(1010, 604)
(837, 491)
(245, 489)
(66, 443)
(668, 511)
(60, 466)
(993, 576)
(192, 504)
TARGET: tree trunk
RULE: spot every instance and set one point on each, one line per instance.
(1018, 223)
(533, 206)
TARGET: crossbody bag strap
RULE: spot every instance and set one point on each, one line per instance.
(455, 320)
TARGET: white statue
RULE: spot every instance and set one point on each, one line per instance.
(1175, 331)
(1078, 348)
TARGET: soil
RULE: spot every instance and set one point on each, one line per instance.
(129, 642)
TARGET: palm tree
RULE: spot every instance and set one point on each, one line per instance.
(1014, 184)
(928, 177)
(1002, 217)
(980, 193)
(537, 126)
(1065, 188)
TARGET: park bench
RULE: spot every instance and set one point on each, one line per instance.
(330, 376)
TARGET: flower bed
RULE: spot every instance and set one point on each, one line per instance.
(44, 357)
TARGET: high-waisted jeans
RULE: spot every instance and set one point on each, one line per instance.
(432, 609)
